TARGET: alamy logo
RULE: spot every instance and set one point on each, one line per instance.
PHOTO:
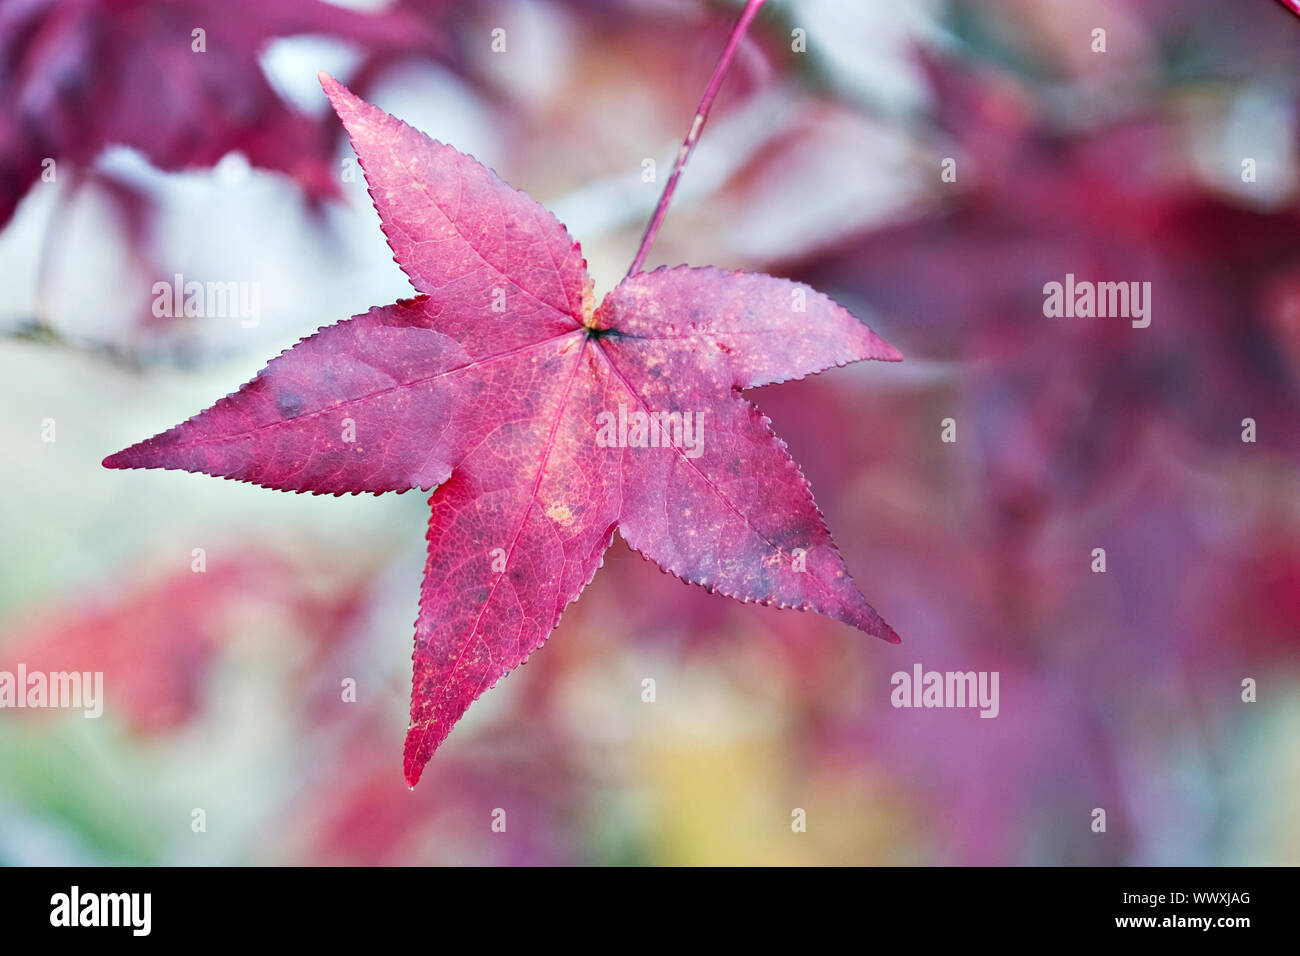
(946, 689)
(638, 429)
(74, 690)
(208, 300)
(1102, 300)
(74, 908)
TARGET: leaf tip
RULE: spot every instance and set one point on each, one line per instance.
(872, 623)
(339, 95)
(412, 772)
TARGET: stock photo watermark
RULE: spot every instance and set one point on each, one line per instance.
(239, 299)
(54, 690)
(639, 429)
(946, 689)
(127, 910)
(1083, 299)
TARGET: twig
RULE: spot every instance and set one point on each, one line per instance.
(693, 137)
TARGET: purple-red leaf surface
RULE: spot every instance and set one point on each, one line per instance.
(545, 423)
(178, 80)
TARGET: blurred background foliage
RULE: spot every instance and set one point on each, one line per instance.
(1119, 690)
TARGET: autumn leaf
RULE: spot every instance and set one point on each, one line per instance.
(156, 642)
(171, 78)
(545, 423)
(1060, 411)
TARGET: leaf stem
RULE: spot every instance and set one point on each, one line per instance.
(693, 137)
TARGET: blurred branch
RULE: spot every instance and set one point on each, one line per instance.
(36, 331)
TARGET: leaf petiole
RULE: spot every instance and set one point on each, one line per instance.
(693, 137)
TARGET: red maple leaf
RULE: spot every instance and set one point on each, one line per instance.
(545, 423)
(79, 75)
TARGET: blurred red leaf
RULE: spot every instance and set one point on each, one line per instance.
(1058, 405)
(155, 646)
(152, 648)
(79, 75)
